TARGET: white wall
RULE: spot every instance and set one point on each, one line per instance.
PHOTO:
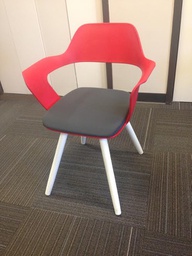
(55, 33)
(153, 20)
(80, 12)
(32, 29)
(16, 50)
(183, 83)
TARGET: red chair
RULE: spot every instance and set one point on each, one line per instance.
(91, 112)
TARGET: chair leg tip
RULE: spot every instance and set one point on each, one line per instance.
(118, 213)
(47, 193)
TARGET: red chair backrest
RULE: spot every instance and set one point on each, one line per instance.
(106, 42)
(98, 42)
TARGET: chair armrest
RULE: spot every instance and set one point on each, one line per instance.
(36, 78)
(146, 69)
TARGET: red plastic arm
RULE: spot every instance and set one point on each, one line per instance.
(36, 79)
(147, 69)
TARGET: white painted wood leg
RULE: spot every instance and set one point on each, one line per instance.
(110, 175)
(56, 161)
(83, 140)
(134, 138)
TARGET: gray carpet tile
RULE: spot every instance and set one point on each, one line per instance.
(49, 233)
(90, 155)
(81, 186)
(13, 150)
(23, 178)
(11, 106)
(157, 244)
(79, 191)
(170, 131)
(78, 218)
(186, 105)
(30, 127)
(170, 195)
(11, 217)
(22, 115)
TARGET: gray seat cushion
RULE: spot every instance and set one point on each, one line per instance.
(90, 112)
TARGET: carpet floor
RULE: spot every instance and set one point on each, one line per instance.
(78, 217)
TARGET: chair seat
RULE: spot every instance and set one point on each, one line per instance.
(86, 111)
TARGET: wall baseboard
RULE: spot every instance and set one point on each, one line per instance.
(152, 97)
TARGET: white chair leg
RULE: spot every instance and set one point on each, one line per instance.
(134, 138)
(56, 161)
(110, 175)
(83, 140)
